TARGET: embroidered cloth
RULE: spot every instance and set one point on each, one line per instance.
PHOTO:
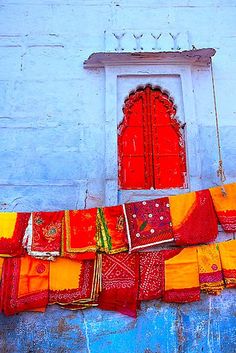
(120, 273)
(12, 230)
(111, 230)
(210, 270)
(79, 238)
(225, 206)
(24, 285)
(182, 277)
(193, 218)
(151, 280)
(44, 234)
(148, 223)
(74, 281)
(228, 260)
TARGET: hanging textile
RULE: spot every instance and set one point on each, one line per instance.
(44, 234)
(193, 218)
(1, 268)
(79, 238)
(12, 230)
(210, 270)
(182, 277)
(24, 285)
(225, 206)
(74, 281)
(151, 280)
(120, 273)
(148, 223)
(228, 259)
(111, 230)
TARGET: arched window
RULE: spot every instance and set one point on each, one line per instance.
(151, 149)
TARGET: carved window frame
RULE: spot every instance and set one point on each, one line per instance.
(126, 65)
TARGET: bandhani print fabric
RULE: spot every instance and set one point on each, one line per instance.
(225, 206)
(182, 277)
(79, 238)
(228, 260)
(111, 230)
(44, 234)
(12, 230)
(148, 223)
(24, 285)
(151, 280)
(120, 273)
(210, 270)
(75, 282)
(193, 217)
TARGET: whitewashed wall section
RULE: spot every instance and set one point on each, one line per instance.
(178, 81)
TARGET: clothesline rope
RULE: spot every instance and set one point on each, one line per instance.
(220, 170)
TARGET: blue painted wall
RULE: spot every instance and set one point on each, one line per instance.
(52, 148)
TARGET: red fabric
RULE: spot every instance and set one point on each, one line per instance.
(11, 302)
(47, 231)
(227, 220)
(13, 246)
(120, 274)
(201, 224)
(183, 295)
(151, 279)
(149, 223)
(79, 241)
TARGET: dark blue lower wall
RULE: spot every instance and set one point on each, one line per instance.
(208, 326)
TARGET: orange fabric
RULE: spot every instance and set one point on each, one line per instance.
(24, 285)
(64, 274)
(182, 277)
(228, 259)
(225, 206)
(79, 239)
(12, 230)
(74, 281)
(193, 218)
(210, 270)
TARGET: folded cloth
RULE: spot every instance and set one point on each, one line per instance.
(225, 206)
(74, 281)
(44, 233)
(182, 277)
(120, 273)
(210, 270)
(111, 230)
(193, 218)
(228, 260)
(12, 230)
(151, 279)
(148, 223)
(79, 238)
(24, 285)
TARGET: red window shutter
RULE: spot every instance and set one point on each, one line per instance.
(150, 145)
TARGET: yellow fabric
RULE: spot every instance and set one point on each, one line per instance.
(7, 224)
(181, 271)
(228, 254)
(207, 256)
(180, 207)
(64, 274)
(1, 265)
(221, 202)
(209, 263)
(33, 276)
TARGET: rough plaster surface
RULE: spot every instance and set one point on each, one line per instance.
(52, 147)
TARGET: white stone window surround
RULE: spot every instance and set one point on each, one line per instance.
(156, 73)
